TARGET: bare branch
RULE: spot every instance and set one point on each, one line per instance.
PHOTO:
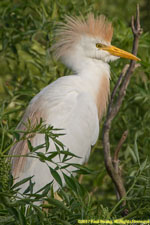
(113, 108)
(117, 85)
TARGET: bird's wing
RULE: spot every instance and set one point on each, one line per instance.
(63, 107)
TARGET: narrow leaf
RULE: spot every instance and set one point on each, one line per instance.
(56, 176)
(70, 182)
(22, 182)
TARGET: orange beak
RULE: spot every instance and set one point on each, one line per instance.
(119, 52)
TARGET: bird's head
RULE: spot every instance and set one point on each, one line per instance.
(79, 40)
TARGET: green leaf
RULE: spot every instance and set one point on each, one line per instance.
(56, 203)
(59, 143)
(16, 135)
(30, 187)
(63, 222)
(45, 189)
(143, 165)
(51, 156)
(70, 182)
(22, 182)
(56, 176)
(132, 154)
(22, 219)
(79, 187)
(30, 146)
(83, 170)
(67, 153)
(47, 142)
(41, 156)
(38, 147)
(57, 148)
(136, 147)
(6, 219)
(39, 211)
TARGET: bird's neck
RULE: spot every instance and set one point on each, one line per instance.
(96, 75)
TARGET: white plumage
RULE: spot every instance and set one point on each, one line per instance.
(74, 103)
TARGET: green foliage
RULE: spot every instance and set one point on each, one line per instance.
(26, 35)
(4, 173)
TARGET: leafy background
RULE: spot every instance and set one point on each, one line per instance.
(27, 31)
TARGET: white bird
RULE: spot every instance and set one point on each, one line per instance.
(73, 103)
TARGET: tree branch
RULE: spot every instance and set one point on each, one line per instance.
(113, 108)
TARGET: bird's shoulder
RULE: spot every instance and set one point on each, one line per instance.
(61, 87)
(61, 95)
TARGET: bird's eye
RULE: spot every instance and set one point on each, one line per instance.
(98, 45)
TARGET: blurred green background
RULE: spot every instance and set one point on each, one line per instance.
(27, 31)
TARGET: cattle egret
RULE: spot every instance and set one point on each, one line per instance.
(73, 103)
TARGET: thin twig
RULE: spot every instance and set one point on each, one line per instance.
(113, 109)
(116, 157)
(122, 140)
